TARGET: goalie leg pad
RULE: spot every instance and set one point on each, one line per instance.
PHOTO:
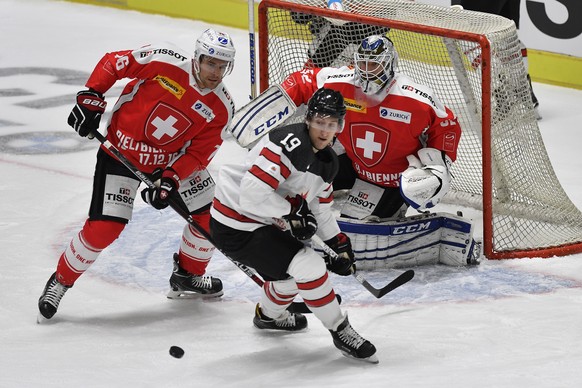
(263, 114)
(412, 241)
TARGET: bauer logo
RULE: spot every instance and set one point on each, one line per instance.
(395, 115)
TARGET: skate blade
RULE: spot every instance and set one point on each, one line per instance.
(373, 359)
(180, 294)
(40, 319)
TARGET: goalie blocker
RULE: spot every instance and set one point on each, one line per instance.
(429, 238)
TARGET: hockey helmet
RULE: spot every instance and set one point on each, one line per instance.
(327, 103)
(374, 63)
(217, 45)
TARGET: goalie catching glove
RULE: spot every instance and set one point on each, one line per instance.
(427, 179)
(167, 182)
(301, 221)
(343, 264)
(86, 114)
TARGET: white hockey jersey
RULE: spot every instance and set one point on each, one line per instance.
(282, 165)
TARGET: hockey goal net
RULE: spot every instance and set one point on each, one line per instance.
(473, 62)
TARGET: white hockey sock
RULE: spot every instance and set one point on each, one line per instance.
(310, 274)
(277, 296)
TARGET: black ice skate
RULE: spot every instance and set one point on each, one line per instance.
(351, 344)
(185, 285)
(287, 322)
(48, 303)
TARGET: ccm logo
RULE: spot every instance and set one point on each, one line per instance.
(411, 228)
(92, 102)
(272, 121)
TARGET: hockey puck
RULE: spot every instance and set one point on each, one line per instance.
(176, 351)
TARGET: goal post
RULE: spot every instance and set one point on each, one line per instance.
(473, 63)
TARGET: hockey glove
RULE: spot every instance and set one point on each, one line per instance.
(344, 264)
(86, 114)
(427, 179)
(301, 221)
(168, 183)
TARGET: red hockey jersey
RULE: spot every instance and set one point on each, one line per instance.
(381, 130)
(162, 118)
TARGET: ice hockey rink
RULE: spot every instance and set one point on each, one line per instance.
(504, 324)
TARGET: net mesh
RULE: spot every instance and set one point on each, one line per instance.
(531, 211)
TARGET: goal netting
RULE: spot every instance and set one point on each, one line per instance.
(473, 62)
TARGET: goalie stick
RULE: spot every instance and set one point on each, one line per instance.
(295, 307)
(400, 280)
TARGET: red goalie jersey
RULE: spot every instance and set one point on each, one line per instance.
(381, 130)
(162, 118)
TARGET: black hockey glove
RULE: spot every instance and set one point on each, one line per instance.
(302, 222)
(344, 263)
(86, 114)
(168, 183)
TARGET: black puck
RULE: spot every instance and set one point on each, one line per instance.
(176, 351)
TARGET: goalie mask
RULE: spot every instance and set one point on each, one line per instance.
(374, 64)
(217, 45)
(323, 104)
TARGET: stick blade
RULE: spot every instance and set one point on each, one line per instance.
(402, 279)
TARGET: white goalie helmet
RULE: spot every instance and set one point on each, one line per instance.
(217, 45)
(374, 63)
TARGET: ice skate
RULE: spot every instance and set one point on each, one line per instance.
(185, 285)
(353, 345)
(286, 322)
(48, 303)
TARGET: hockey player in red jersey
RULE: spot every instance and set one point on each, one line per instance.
(280, 195)
(168, 122)
(396, 131)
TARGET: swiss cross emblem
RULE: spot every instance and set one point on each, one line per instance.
(369, 143)
(166, 124)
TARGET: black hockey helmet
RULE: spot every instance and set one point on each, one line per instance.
(327, 103)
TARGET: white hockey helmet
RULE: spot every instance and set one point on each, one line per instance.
(217, 45)
(374, 63)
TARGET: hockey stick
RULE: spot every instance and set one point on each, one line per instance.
(401, 279)
(295, 307)
(253, 62)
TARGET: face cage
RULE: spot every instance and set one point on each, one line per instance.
(374, 81)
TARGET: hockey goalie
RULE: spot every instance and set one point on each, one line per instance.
(395, 153)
